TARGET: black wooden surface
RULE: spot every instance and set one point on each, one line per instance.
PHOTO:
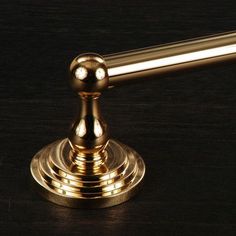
(184, 127)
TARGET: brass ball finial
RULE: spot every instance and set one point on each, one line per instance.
(88, 73)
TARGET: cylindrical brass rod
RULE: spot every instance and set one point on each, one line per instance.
(166, 59)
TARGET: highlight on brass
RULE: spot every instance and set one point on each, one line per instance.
(88, 169)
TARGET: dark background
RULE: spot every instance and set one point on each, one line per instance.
(184, 127)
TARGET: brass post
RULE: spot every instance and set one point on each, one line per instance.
(89, 135)
(87, 169)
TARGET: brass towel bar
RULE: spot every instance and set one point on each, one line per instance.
(88, 169)
(160, 60)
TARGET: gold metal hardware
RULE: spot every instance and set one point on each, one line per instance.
(88, 169)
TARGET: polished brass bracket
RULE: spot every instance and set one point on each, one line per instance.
(88, 169)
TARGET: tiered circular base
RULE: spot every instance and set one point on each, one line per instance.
(116, 181)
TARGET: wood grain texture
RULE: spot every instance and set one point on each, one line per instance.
(184, 127)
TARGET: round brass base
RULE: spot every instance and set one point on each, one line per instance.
(59, 180)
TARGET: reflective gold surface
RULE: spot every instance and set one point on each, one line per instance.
(88, 169)
(165, 59)
(60, 181)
